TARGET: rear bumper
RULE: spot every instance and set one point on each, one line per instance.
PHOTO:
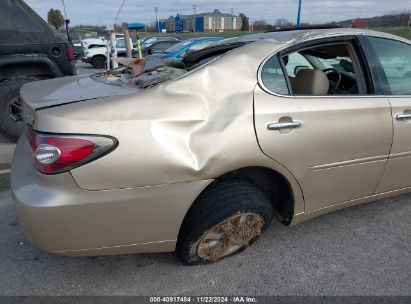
(58, 216)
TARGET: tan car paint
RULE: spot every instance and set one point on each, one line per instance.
(343, 143)
(174, 139)
(64, 90)
(398, 172)
(175, 132)
(62, 218)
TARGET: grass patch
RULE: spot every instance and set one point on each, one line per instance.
(184, 36)
(402, 31)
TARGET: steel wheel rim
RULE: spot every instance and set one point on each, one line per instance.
(15, 110)
(230, 236)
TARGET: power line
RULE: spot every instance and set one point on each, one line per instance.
(118, 13)
(64, 9)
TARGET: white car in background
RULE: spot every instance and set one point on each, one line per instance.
(97, 56)
(93, 42)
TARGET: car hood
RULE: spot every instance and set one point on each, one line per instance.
(54, 92)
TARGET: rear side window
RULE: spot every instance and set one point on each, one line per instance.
(395, 58)
(272, 77)
(296, 61)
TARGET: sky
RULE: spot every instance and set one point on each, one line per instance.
(103, 12)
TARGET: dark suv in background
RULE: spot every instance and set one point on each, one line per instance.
(29, 50)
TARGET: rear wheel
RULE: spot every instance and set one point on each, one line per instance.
(11, 124)
(99, 62)
(226, 218)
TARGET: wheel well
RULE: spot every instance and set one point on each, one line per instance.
(37, 69)
(99, 55)
(274, 185)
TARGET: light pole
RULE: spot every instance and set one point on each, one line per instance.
(195, 17)
(158, 28)
(299, 13)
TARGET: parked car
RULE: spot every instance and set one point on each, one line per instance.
(93, 42)
(157, 48)
(78, 48)
(97, 56)
(178, 51)
(199, 159)
(29, 50)
(148, 41)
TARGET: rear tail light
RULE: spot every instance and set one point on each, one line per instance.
(71, 53)
(55, 153)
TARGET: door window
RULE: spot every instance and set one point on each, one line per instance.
(395, 58)
(273, 78)
(330, 69)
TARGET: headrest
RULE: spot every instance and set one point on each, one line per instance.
(310, 82)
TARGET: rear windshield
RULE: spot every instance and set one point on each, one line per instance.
(175, 48)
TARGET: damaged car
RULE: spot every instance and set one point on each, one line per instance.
(199, 157)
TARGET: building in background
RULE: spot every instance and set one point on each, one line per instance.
(205, 22)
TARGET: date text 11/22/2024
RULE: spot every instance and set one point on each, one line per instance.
(213, 299)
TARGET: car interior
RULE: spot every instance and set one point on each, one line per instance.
(329, 69)
(324, 69)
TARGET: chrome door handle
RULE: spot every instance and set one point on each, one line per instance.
(403, 116)
(283, 125)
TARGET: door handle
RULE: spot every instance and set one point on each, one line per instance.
(283, 125)
(403, 116)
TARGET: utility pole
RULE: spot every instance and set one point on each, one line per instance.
(232, 20)
(299, 13)
(195, 18)
(158, 27)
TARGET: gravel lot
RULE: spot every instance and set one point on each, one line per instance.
(364, 250)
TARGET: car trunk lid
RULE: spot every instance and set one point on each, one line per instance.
(55, 92)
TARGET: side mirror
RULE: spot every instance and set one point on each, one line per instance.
(299, 68)
(150, 51)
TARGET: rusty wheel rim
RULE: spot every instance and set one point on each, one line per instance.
(230, 236)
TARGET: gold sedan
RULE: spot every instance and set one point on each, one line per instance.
(200, 157)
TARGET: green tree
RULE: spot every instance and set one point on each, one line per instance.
(245, 22)
(55, 18)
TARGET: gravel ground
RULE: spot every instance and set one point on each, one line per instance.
(364, 250)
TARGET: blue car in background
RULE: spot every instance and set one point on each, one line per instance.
(178, 51)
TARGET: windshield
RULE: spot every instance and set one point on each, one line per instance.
(149, 40)
(121, 43)
(179, 46)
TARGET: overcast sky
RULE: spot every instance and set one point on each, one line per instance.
(103, 12)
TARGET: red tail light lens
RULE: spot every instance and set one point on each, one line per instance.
(54, 153)
(71, 53)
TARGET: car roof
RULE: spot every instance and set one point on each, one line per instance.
(299, 35)
(204, 38)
